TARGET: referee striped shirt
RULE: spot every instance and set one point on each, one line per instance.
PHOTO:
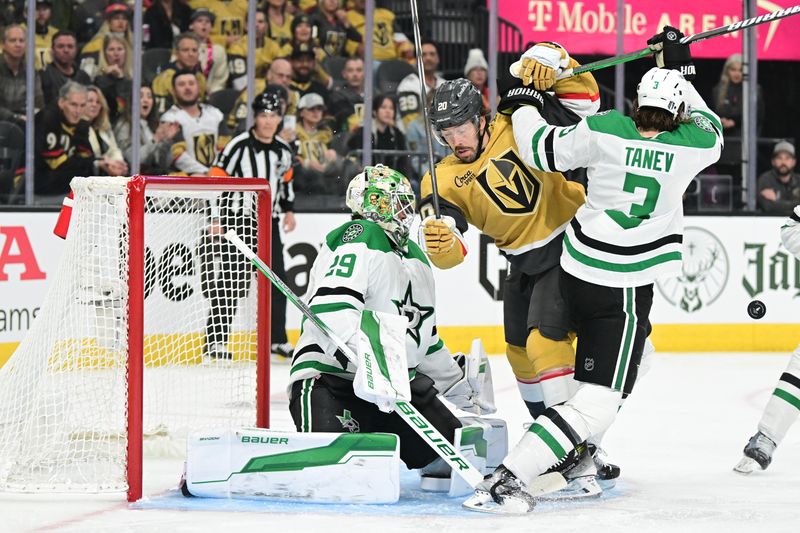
(246, 156)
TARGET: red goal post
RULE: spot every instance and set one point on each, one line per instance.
(152, 328)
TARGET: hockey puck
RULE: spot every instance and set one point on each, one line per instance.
(756, 309)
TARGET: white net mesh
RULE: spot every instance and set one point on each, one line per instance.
(63, 393)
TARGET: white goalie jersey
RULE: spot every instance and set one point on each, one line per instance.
(790, 233)
(356, 269)
(629, 231)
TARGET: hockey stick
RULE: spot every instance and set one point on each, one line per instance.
(708, 34)
(450, 454)
(424, 104)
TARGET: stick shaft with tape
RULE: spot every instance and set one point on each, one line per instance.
(451, 455)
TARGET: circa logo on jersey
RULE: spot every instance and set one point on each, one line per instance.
(461, 181)
(352, 233)
(703, 123)
(510, 184)
(704, 272)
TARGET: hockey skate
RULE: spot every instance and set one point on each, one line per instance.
(502, 493)
(282, 353)
(607, 473)
(758, 452)
(579, 471)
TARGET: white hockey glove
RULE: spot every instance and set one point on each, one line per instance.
(474, 392)
(541, 64)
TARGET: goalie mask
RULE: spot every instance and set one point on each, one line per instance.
(384, 196)
(662, 88)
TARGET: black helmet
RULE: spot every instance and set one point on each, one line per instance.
(454, 103)
(267, 101)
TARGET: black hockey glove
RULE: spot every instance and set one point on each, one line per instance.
(514, 94)
(670, 53)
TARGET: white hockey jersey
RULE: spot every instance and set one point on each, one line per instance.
(629, 231)
(790, 233)
(359, 268)
(200, 135)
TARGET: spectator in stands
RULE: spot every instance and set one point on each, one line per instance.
(347, 101)
(13, 88)
(213, 59)
(331, 27)
(279, 73)
(726, 98)
(81, 18)
(385, 134)
(196, 149)
(163, 21)
(405, 50)
(313, 137)
(408, 91)
(108, 159)
(279, 22)
(116, 73)
(384, 29)
(304, 66)
(117, 22)
(779, 187)
(44, 33)
(266, 52)
(302, 33)
(476, 70)
(63, 68)
(155, 137)
(230, 25)
(63, 150)
(187, 57)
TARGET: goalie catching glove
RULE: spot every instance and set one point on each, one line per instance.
(442, 242)
(541, 64)
(474, 392)
(670, 53)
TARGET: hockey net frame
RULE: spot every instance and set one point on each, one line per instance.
(132, 212)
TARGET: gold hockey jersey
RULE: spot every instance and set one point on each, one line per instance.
(525, 211)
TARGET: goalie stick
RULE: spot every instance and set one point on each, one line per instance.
(450, 454)
(644, 52)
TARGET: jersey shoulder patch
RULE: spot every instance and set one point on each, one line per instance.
(612, 122)
(359, 231)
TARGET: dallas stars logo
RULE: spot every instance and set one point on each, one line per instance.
(348, 422)
(415, 313)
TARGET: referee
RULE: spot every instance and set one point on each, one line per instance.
(255, 153)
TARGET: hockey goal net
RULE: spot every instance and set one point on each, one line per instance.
(153, 326)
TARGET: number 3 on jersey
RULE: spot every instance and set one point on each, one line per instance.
(638, 212)
(342, 266)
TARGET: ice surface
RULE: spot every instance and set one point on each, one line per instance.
(676, 439)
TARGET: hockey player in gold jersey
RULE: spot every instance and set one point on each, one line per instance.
(485, 183)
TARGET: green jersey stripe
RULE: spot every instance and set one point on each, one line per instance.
(435, 347)
(619, 267)
(535, 145)
(548, 439)
(627, 342)
(316, 365)
(783, 395)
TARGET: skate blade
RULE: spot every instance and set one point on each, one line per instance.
(576, 489)
(607, 484)
(482, 501)
(746, 466)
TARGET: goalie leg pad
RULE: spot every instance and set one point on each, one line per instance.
(313, 467)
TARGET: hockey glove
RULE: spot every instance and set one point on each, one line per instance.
(442, 242)
(670, 53)
(541, 64)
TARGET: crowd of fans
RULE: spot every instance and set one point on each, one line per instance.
(195, 98)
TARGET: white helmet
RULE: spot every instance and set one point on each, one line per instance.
(384, 196)
(662, 88)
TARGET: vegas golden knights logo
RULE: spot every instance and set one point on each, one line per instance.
(205, 148)
(510, 185)
(334, 42)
